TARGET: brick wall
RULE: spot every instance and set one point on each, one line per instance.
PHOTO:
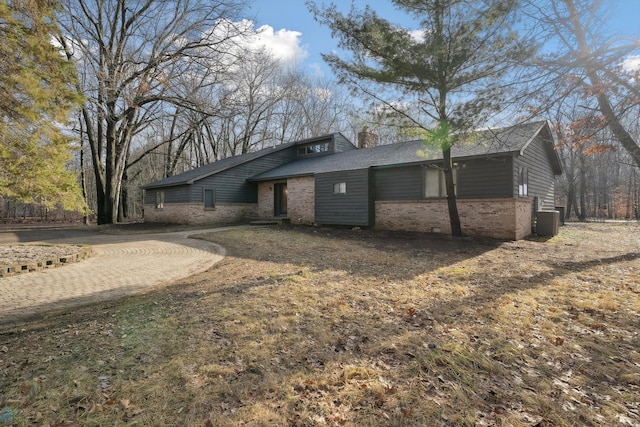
(265, 199)
(301, 200)
(173, 213)
(195, 213)
(224, 213)
(499, 218)
(524, 217)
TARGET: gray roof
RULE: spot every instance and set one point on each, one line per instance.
(189, 177)
(502, 141)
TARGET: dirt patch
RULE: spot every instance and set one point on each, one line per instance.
(313, 327)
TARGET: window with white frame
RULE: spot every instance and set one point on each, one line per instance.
(340, 188)
(209, 199)
(523, 182)
(159, 199)
(435, 184)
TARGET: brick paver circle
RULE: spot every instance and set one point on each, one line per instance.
(121, 265)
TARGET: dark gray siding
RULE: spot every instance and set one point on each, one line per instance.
(342, 144)
(177, 194)
(541, 177)
(399, 183)
(480, 178)
(353, 208)
(231, 185)
(485, 178)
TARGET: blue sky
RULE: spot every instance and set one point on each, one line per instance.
(290, 17)
(293, 15)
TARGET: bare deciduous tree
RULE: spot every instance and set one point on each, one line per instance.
(586, 60)
(130, 56)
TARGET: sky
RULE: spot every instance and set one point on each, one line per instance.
(290, 20)
(290, 30)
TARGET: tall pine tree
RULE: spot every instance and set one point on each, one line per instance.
(36, 98)
(445, 79)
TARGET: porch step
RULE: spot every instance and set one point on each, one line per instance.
(269, 221)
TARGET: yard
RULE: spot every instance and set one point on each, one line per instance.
(330, 327)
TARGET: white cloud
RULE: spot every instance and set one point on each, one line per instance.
(631, 64)
(283, 44)
(417, 35)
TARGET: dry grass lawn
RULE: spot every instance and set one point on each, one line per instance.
(325, 327)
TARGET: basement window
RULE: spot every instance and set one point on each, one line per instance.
(160, 199)
(209, 199)
(340, 188)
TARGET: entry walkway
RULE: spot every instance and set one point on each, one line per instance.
(121, 265)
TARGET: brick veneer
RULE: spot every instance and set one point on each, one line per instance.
(498, 218)
(195, 213)
(224, 213)
(173, 213)
(300, 199)
(265, 199)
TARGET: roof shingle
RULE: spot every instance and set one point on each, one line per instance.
(481, 143)
(486, 142)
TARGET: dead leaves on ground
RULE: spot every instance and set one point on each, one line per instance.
(334, 328)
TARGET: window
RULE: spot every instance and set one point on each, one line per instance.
(314, 149)
(160, 199)
(209, 199)
(523, 182)
(435, 184)
(340, 188)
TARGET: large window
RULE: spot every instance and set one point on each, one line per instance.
(159, 199)
(435, 184)
(523, 182)
(209, 199)
(340, 188)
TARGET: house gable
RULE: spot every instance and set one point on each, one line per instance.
(538, 162)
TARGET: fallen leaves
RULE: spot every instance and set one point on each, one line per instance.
(326, 327)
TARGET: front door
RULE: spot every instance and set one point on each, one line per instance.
(280, 200)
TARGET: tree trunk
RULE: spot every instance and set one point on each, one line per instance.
(83, 178)
(454, 217)
(583, 191)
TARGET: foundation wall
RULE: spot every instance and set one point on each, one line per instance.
(508, 219)
(195, 213)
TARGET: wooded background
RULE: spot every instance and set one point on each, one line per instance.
(169, 86)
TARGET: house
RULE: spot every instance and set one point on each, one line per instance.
(503, 176)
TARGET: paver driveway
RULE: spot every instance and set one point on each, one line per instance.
(121, 265)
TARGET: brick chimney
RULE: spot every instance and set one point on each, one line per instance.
(367, 139)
